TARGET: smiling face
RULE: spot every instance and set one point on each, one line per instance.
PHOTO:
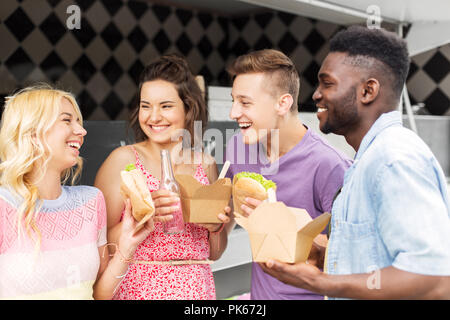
(161, 112)
(336, 95)
(254, 107)
(65, 137)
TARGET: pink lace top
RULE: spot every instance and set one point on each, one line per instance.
(72, 227)
(181, 282)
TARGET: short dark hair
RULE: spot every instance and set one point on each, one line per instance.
(274, 63)
(379, 44)
(173, 68)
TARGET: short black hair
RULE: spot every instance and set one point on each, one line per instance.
(379, 44)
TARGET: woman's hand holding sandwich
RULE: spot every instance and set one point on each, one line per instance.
(130, 236)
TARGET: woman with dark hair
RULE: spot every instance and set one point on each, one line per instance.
(174, 69)
(169, 101)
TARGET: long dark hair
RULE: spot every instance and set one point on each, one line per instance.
(173, 68)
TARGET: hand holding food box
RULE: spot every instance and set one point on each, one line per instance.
(202, 203)
(275, 230)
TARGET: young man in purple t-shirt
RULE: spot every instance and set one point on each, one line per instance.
(273, 142)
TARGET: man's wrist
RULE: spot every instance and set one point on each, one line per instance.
(319, 283)
(327, 285)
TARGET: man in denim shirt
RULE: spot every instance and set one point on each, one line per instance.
(390, 227)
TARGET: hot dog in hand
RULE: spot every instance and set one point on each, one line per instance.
(133, 186)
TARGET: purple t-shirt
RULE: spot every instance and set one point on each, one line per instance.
(307, 177)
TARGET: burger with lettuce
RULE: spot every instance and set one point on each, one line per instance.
(252, 185)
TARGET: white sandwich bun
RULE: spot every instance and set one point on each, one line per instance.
(133, 186)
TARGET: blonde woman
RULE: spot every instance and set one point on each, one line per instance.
(53, 237)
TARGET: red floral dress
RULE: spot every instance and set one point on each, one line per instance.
(169, 282)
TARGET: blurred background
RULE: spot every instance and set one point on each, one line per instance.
(100, 62)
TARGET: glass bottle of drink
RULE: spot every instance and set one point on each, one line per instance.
(168, 182)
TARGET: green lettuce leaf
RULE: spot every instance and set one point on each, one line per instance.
(130, 167)
(267, 184)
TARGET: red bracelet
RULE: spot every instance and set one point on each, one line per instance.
(218, 231)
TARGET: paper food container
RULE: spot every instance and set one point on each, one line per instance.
(280, 232)
(202, 203)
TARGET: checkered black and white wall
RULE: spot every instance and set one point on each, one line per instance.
(306, 42)
(100, 62)
(429, 80)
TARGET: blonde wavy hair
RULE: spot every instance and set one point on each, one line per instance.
(28, 115)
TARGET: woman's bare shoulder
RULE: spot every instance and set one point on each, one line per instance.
(119, 158)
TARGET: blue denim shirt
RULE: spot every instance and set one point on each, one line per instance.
(393, 209)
